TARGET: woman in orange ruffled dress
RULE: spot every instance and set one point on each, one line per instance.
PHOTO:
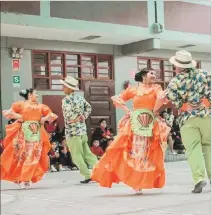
(136, 156)
(25, 160)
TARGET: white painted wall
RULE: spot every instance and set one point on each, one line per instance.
(206, 65)
(123, 68)
(10, 93)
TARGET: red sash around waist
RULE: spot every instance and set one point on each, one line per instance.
(189, 107)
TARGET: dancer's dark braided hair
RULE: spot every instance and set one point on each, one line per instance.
(25, 93)
(139, 76)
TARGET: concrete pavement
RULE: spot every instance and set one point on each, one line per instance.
(61, 193)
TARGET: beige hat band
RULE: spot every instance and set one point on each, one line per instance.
(71, 85)
(183, 62)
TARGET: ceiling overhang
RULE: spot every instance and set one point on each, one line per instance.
(133, 39)
(141, 46)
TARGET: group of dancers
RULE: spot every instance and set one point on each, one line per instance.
(136, 156)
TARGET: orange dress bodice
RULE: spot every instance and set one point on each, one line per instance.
(31, 112)
(143, 96)
(145, 101)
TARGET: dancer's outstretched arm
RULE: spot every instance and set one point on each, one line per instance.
(48, 115)
(168, 98)
(14, 111)
(10, 114)
(120, 99)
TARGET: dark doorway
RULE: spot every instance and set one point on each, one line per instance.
(98, 94)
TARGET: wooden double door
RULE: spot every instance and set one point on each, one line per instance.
(98, 94)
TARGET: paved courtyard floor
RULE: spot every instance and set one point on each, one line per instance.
(61, 193)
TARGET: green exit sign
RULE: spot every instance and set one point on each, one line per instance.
(16, 81)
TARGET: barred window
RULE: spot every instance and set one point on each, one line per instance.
(165, 71)
(48, 68)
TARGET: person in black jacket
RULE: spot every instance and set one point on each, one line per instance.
(102, 133)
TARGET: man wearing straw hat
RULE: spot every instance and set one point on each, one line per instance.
(75, 111)
(190, 92)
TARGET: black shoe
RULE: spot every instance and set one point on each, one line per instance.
(86, 181)
(198, 187)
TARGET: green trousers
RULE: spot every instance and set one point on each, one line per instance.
(196, 137)
(81, 154)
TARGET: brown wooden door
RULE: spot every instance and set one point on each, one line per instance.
(55, 104)
(98, 94)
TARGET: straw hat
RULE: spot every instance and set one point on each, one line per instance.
(71, 83)
(183, 59)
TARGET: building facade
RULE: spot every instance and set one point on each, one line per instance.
(102, 44)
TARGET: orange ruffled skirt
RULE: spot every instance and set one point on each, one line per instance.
(14, 168)
(117, 164)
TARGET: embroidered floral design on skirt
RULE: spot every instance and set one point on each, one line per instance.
(27, 145)
(138, 157)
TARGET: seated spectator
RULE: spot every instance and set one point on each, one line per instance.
(169, 121)
(63, 132)
(96, 149)
(112, 134)
(54, 157)
(65, 157)
(178, 145)
(109, 142)
(53, 130)
(102, 133)
(170, 116)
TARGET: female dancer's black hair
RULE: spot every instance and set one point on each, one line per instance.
(25, 93)
(139, 75)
